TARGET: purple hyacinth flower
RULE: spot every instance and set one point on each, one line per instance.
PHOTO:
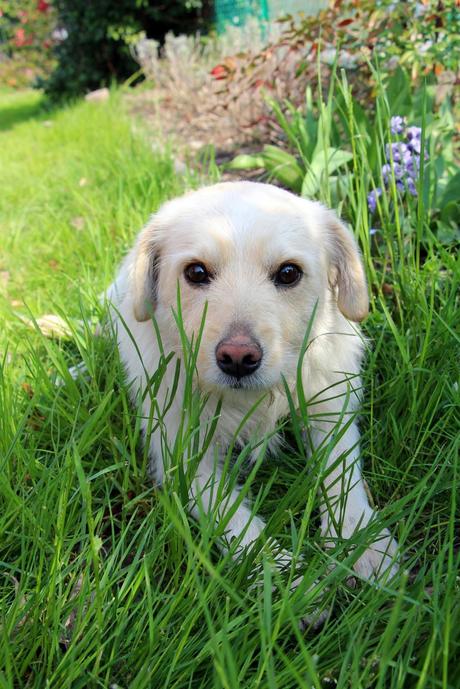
(415, 146)
(400, 185)
(372, 199)
(398, 171)
(414, 138)
(388, 172)
(414, 133)
(411, 186)
(413, 166)
(406, 156)
(397, 124)
(398, 151)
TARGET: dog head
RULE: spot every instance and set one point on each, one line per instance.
(262, 261)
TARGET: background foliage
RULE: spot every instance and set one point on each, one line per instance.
(76, 46)
(98, 47)
(26, 41)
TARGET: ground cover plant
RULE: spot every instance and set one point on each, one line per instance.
(106, 580)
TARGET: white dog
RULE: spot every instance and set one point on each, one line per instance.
(265, 264)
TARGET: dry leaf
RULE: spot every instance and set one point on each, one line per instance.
(4, 278)
(28, 390)
(78, 223)
(387, 288)
(50, 325)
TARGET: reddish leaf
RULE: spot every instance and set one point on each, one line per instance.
(219, 72)
(28, 390)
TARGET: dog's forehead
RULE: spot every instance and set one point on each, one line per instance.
(242, 217)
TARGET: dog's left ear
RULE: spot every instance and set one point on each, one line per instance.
(346, 272)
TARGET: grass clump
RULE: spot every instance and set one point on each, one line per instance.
(107, 581)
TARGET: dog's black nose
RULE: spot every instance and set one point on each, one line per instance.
(238, 356)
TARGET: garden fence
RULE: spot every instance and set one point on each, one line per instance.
(237, 12)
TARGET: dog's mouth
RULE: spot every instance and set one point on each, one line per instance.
(252, 382)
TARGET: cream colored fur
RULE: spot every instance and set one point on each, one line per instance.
(243, 232)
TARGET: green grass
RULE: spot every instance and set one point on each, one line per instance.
(105, 579)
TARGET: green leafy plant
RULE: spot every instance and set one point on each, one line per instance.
(329, 149)
(26, 41)
(382, 31)
(352, 34)
(97, 44)
(312, 169)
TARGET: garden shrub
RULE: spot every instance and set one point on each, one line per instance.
(98, 38)
(417, 69)
(399, 151)
(233, 89)
(185, 82)
(351, 33)
(27, 37)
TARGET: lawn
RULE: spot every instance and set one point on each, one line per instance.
(106, 581)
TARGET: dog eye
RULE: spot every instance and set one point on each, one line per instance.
(287, 275)
(197, 274)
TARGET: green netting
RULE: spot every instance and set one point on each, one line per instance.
(237, 12)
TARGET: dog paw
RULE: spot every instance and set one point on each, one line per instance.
(314, 621)
(317, 617)
(379, 561)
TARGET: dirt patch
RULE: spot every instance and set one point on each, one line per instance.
(192, 134)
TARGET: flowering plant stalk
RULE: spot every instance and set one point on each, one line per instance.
(402, 166)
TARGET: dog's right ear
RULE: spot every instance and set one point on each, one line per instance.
(145, 273)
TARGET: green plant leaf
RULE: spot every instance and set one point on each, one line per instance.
(246, 161)
(330, 160)
(302, 130)
(324, 162)
(323, 131)
(451, 192)
(284, 167)
(451, 213)
(310, 184)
